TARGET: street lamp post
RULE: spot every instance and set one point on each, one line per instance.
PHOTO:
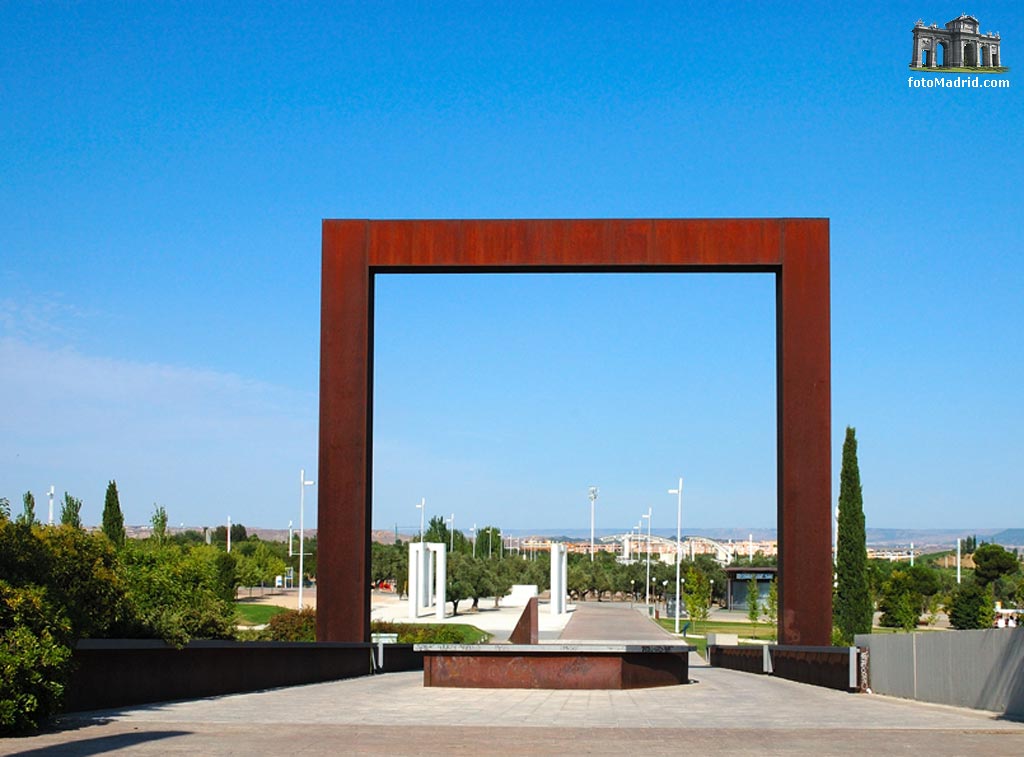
(647, 583)
(472, 532)
(451, 533)
(422, 507)
(490, 541)
(229, 534)
(592, 496)
(632, 591)
(303, 483)
(678, 491)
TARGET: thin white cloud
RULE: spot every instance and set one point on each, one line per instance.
(204, 444)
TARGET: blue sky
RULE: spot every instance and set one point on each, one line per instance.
(165, 168)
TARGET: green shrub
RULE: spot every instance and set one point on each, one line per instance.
(293, 625)
(429, 633)
(35, 658)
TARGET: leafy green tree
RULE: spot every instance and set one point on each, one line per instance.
(992, 562)
(113, 519)
(158, 522)
(459, 583)
(437, 531)
(81, 577)
(28, 515)
(71, 511)
(488, 542)
(771, 607)
(900, 603)
(972, 606)
(178, 594)
(753, 603)
(697, 595)
(853, 610)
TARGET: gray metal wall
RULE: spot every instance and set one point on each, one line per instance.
(980, 669)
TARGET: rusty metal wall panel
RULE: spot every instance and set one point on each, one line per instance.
(804, 433)
(795, 249)
(343, 520)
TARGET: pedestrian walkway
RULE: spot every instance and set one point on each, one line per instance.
(722, 712)
(608, 621)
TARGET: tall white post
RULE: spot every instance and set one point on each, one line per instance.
(958, 562)
(678, 491)
(229, 533)
(647, 583)
(303, 483)
(415, 578)
(50, 494)
(911, 554)
(442, 575)
(559, 573)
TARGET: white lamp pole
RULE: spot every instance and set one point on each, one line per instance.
(422, 507)
(472, 532)
(678, 491)
(647, 583)
(229, 533)
(451, 533)
(303, 483)
(50, 494)
(957, 562)
(592, 495)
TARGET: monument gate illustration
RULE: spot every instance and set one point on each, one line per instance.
(961, 44)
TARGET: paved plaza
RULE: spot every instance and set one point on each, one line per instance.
(720, 712)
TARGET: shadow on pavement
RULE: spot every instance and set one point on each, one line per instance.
(101, 744)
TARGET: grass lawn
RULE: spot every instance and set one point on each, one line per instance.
(746, 630)
(256, 615)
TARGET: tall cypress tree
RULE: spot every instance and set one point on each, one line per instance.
(29, 515)
(113, 520)
(853, 610)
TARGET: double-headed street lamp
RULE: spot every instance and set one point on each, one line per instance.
(678, 491)
(592, 496)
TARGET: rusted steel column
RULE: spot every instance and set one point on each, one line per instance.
(346, 361)
(804, 429)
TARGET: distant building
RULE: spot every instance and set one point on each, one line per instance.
(960, 44)
(739, 585)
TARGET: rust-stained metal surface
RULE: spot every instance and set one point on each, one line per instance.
(527, 627)
(796, 251)
(540, 670)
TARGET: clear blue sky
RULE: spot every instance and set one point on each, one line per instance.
(164, 169)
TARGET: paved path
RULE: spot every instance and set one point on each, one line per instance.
(608, 621)
(723, 712)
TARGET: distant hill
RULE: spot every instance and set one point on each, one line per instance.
(1008, 537)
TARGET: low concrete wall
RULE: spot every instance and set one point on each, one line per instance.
(120, 672)
(981, 669)
(831, 667)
